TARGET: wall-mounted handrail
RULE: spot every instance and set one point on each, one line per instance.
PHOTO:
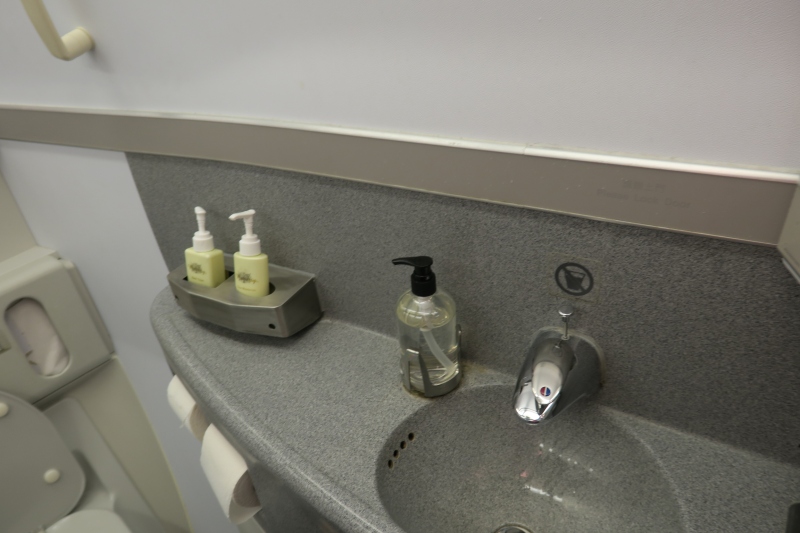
(68, 47)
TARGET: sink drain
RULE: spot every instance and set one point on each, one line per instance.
(512, 529)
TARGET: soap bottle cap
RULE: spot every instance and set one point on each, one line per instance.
(202, 241)
(249, 245)
(423, 280)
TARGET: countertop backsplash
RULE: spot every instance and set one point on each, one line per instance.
(700, 334)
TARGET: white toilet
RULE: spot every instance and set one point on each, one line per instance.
(57, 474)
(77, 451)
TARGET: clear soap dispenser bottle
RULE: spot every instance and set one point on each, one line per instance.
(428, 333)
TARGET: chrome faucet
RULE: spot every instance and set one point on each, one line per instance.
(559, 369)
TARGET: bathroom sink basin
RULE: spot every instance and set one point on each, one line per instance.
(467, 464)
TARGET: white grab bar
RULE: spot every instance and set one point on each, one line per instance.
(68, 47)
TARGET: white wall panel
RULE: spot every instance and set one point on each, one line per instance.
(713, 81)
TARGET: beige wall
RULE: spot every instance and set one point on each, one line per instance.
(16, 236)
(746, 204)
(714, 81)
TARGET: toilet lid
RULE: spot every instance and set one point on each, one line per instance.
(40, 480)
(94, 521)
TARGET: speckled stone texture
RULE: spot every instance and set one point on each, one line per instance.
(472, 466)
(700, 334)
(319, 415)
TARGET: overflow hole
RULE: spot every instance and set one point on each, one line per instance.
(403, 445)
(410, 436)
(391, 463)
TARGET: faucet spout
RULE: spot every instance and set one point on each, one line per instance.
(541, 380)
(558, 370)
(528, 407)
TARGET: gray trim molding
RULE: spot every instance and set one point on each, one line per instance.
(743, 204)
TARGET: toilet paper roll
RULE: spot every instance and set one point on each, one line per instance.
(229, 478)
(186, 408)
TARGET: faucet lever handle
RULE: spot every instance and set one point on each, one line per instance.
(566, 311)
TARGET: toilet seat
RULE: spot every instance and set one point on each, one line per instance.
(41, 481)
(31, 446)
(93, 520)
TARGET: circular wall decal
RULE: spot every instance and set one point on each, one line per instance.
(574, 279)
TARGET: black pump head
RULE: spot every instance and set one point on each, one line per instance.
(423, 280)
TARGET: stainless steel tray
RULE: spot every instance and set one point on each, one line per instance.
(291, 305)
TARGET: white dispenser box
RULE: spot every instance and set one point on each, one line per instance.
(39, 274)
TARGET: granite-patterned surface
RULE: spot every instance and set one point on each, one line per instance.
(294, 407)
(318, 415)
(700, 334)
(472, 466)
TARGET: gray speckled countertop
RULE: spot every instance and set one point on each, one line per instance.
(314, 411)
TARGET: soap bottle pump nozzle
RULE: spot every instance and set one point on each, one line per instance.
(202, 241)
(249, 245)
(423, 280)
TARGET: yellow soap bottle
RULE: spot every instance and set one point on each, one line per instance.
(250, 266)
(205, 265)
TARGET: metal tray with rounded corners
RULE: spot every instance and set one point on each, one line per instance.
(291, 305)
